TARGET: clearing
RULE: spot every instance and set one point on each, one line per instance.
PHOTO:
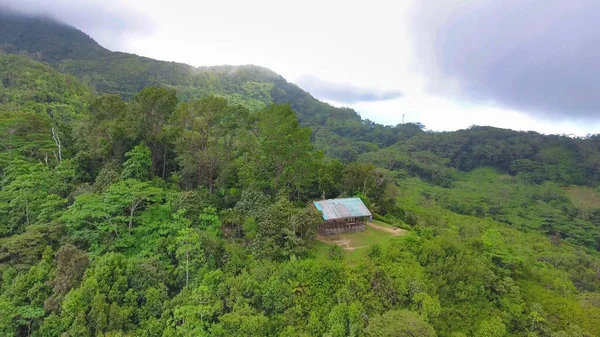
(586, 199)
(583, 197)
(376, 232)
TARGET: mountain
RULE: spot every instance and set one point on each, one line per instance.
(45, 39)
(71, 51)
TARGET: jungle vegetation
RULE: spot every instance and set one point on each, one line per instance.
(149, 198)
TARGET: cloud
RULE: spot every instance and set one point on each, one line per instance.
(108, 22)
(538, 56)
(344, 92)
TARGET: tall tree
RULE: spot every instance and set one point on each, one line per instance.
(208, 140)
(138, 164)
(282, 156)
(147, 116)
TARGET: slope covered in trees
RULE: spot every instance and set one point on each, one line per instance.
(146, 211)
(71, 51)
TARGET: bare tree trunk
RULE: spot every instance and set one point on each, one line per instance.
(132, 209)
(58, 145)
(110, 222)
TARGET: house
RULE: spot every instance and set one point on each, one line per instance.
(342, 215)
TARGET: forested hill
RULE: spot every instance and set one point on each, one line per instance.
(71, 51)
(45, 39)
(148, 198)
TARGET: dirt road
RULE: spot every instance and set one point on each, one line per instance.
(395, 231)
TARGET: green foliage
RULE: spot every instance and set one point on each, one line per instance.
(335, 253)
(104, 131)
(25, 136)
(399, 323)
(178, 203)
(99, 219)
(32, 194)
(284, 231)
(210, 135)
(283, 157)
(138, 164)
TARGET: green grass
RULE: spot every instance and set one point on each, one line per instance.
(361, 241)
(383, 224)
(583, 197)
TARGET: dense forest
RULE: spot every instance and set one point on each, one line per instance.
(149, 198)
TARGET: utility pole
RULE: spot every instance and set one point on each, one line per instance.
(402, 118)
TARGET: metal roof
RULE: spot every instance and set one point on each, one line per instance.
(342, 208)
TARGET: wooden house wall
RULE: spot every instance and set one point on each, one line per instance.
(347, 225)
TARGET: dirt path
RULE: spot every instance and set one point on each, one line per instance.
(344, 243)
(395, 231)
(353, 248)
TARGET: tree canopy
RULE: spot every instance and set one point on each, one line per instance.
(144, 198)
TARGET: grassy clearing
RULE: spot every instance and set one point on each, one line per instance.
(583, 197)
(355, 244)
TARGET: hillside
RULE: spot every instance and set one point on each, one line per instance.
(148, 198)
(45, 39)
(71, 51)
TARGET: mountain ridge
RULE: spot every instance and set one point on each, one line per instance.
(77, 51)
(59, 40)
(71, 51)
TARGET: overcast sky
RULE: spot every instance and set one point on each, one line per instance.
(524, 65)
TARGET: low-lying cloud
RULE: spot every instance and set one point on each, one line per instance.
(538, 56)
(344, 92)
(106, 21)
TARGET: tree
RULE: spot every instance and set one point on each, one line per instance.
(208, 138)
(242, 322)
(131, 195)
(27, 136)
(71, 264)
(104, 129)
(282, 156)
(147, 116)
(26, 294)
(285, 231)
(366, 180)
(399, 323)
(491, 328)
(100, 218)
(32, 194)
(138, 165)
(189, 252)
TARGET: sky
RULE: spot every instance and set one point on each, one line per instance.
(523, 65)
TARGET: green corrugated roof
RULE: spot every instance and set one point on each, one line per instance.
(342, 208)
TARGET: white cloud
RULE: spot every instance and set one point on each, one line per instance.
(442, 114)
(363, 44)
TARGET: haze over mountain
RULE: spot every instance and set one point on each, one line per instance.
(71, 51)
(451, 86)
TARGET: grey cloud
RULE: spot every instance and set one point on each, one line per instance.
(538, 56)
(105, 23)
(344, 92)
